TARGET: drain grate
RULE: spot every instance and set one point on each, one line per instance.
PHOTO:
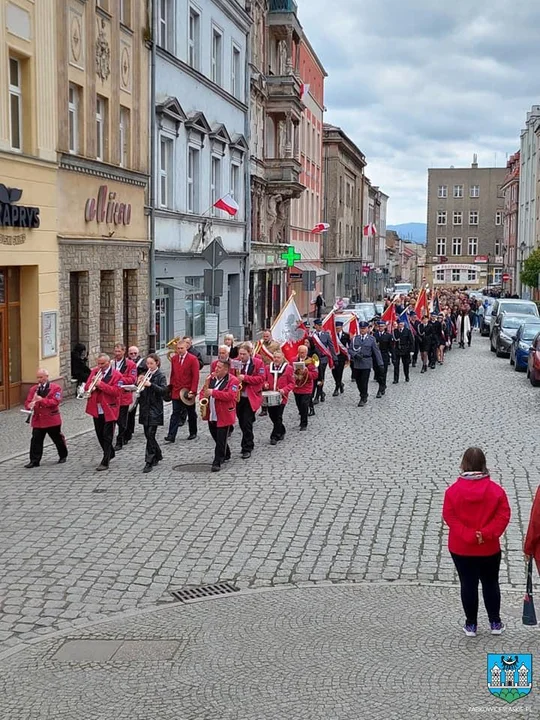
(99, 490)
(188, 594)
(193, 467)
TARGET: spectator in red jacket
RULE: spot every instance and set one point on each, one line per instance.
(477, 512)
(184, 376)
(532, 539)
(44, 400)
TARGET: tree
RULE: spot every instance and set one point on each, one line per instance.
(531, 269)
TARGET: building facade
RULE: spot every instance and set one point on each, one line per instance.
(344, 165)
(465, 226)
(29, 300)
(102, 107)
(510, 191)
(307, 210)
(528, 178)
(201, 155)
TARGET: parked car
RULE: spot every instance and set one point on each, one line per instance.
(402, 288)
(485, 319)
(521, 344)
(363, 310)
(504, 330)
(513, 307)
(379, 307)
(533, 363)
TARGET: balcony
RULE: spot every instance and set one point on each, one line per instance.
(283, 176)
(280, 6)
(283, 15)
(284, 95)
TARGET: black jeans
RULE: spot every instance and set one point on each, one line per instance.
(122, 425)
(362, 382)
(246, 418)
(221, 436)
(152, 453)
(406, 361)
(38, 437)
(276, 416)
(180, 410)
(105, 435)
(471, 569)
(303, 402)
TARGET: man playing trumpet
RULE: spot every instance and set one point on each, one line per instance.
(43, 401)
(102, 390)
(153, 386)
(220, 391)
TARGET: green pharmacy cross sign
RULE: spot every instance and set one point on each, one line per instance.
(291, 256)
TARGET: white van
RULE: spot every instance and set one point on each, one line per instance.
(516, 307)
(402, 288)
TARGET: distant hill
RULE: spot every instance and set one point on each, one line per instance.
(415, 232)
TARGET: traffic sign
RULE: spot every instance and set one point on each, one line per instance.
(505, 277)
(214, 253)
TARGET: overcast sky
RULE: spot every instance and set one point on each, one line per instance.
(426, 83)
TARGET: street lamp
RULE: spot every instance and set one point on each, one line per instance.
(522, 248)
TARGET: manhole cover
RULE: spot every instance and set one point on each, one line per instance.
(193, 467)
(99, 490)
(203, 591)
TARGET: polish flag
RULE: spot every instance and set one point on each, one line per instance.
(370, 230)
(228, 204)
(304, 89)
(320, 228)
(289, 330)
(389, 315)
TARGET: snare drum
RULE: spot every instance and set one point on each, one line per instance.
(271, 398)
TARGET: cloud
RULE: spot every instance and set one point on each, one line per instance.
(418, 86)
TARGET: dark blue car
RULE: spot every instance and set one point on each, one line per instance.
(519, 351)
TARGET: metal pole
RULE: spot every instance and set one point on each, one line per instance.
(152, 193)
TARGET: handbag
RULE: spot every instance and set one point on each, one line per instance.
(529, 613)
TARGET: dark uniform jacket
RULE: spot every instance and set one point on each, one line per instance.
(151, 400)
(364, 352)
(384, 341)
(403, 342)
(345, 340)
(326, 341)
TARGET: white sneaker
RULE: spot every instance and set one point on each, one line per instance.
(497, 628)
(470, 630)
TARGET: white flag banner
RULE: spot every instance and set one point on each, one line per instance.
(288, 329)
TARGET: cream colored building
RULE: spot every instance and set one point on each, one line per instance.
(28, 248)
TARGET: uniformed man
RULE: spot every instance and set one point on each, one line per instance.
(343, 343)
(43, 401)
(323, 347)
(265, 350)
(403, 347)
(414, 322)
(364, 354)
(384, 342)
(221, 395)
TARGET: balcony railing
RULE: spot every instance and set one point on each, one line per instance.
(283, 6)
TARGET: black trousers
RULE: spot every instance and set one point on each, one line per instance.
(105, 435)
(362, 382)
(180, 410)
(382, 371)
(405, 361)
(152, 454)
(318, 389)
(432, 354)
(122, 425)
(303, 401)
(246, 418)
(130, 427)
(472, 569)
(416, 349)
(220, 436)
(276, 416)
(337, 372)
(38, 438)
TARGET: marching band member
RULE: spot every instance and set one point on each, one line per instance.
(220, 390)
(134, 356)
(252, 375)
(184, 374)
(343, 343)
(363, 352)
(305, 380)
(279, 377)
(44, 399)
(384, 341)
(323, 347)
(223, 356)
(151, 408)
(266, 348)
(103, 404)
(128, 370)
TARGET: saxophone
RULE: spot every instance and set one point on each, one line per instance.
(203, 402)
(239, 393)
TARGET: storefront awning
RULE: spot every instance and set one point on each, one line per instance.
(177, 285)
(306, 266)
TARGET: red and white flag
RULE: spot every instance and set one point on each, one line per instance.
(228, 204)
(352, 326)
(304, 89)
(320, 228)
(289, 330)
(421, 307)
(370, 230)
(389, 315)
(329, 324)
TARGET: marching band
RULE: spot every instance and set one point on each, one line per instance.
(242, 380)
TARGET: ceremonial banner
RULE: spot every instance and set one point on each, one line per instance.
(289, 330)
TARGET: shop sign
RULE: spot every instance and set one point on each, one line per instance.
(104, 208)
(454, 266)
(481, 259)
(16, 215)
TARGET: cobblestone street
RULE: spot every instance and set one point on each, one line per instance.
(355, 501)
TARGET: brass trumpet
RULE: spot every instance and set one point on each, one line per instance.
(30, 413)
(140, 388)
(97, 378)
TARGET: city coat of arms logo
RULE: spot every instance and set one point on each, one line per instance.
(509, 677)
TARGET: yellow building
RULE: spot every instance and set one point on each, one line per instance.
(28, 245)
(102, 106)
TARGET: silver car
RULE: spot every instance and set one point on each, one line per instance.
(512, 307)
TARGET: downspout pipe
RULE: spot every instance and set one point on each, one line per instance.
(152, 194)
(247, 182)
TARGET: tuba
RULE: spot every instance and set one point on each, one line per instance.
(203, 402)
(97, 378)
(313, 360)
(171, 346)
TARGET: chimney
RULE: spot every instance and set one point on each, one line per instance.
(474, 161)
